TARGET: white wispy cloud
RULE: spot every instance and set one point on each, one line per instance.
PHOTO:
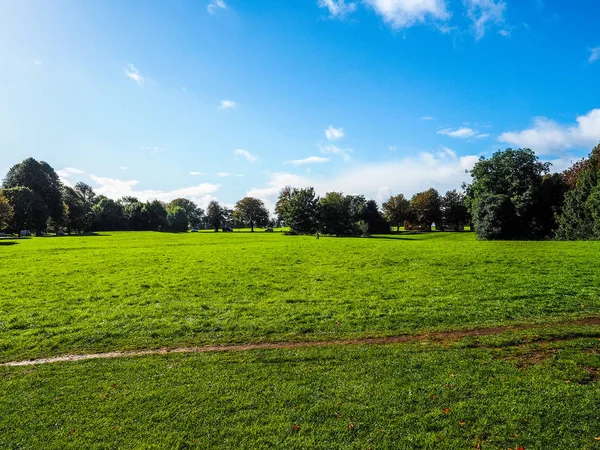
(133, 72)
(196, 174)
(406, 13)
(228, 104)
(309, 160)
(442, 170)
(463, 133)
(427, 118)
(337, 8)
(123, 168)
(594, 55)
(546, 136)
(116, 188)
(37, 62)
(151, 148)
(334, 149)
(227, 174)
(215, 5)
(333, 134)
(246, 154)
(484, 13)
(69, 171)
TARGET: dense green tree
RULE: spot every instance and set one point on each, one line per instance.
(578, 218)
(300, 211)
(495, 217)
(376, 223)
(75, 214)
(284, 196)
(396, 210)
(155, 215)
(454, 211)
(6, 212)
(108, 215)
(251, 212)
(89, 199)
(335, 214)
(193, 213)
(426, 207)
(518, 175)
(215, 215)
(134, 214)
(29, 210)
(177, 218)
(40, 178)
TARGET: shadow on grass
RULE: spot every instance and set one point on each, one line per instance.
(8, 243)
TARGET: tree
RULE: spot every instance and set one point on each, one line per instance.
(454, 211)
(177, 218)
(335, 214)
(426, 207)
(40, 178)
(284, 196)
(300, 211)
(108, 215)
(494, 217)
(6, 212)
(134, 214)
(89, 199)
(376, 223)
(518, 175)
(214, 215)
(29, 210)
(193, 213)
(155, 215)
(251, 212)
(396, 210)
(75, 215)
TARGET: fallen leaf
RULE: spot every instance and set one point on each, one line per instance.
(433, 397)
(452, 375)
(295, 428)
(597, 438)
(462, 422)
(516, 435)
(72, 431)
(521, 448)
(351, 426)
(446, 410)
(337, 414)
(478, 446)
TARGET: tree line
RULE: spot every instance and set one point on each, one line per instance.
(512, 195)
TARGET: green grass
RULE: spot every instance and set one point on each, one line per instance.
(425, 396)
(148, 290)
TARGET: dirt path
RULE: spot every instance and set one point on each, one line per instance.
(434, 336)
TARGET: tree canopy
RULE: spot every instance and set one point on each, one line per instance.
(251, 212)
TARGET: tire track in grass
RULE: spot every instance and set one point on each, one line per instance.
(405, 338)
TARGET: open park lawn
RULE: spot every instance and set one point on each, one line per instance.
(528, 380)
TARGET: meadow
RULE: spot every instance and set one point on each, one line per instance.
(534, 385)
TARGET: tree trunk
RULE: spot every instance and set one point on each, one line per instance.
(252, 227)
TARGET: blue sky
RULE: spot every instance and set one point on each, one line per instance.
(223, 98)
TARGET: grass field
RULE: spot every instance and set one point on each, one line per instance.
(536, 388)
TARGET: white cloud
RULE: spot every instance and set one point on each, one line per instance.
(132, 72)
(68, 171)
(485, 12)
(337, 8)
(151, 148)
(228, 104)
(427, 118)
(123, 168)
(333, 134)
(227, 174)
(462, 133)
(196, 174)
(246, 154)
(547, 136)
(406, 13)
(215, 5)
(309, 160)
(443, 171)
(392, 148)
(115, 188)
(334, 149)
(594, 55)
(37, 62)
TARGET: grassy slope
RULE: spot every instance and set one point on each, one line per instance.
(395, 397)
(140, 290)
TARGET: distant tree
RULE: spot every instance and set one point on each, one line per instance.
(29, 210)
(40, 178)
(75, 214)
(300, 211)
(335, 214)
(89, 199)
(155, 214)
(6, 212)
(426, 207)
(376, 223)
(177, 218)
(518, 175)
(580, 217)
(193, 213)
(134, 214)
(251, 212)
(495, 217)
(215, 215)
(396, 210)
(284, 196)
(108, 215)
(454, 211)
